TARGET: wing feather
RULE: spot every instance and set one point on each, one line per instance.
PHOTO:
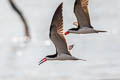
(26, 27)
(82, 14)
(56, 31)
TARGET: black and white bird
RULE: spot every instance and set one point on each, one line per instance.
(83, 20)
(57, 37)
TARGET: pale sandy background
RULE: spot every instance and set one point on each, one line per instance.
(102, 51)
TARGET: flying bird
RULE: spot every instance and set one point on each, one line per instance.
(57, 37)
(83, 23)
(26, 28)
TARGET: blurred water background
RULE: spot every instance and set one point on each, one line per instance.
(19, 61)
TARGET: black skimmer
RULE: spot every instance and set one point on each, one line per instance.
(26, 28)
(83, 20)
(57, 37)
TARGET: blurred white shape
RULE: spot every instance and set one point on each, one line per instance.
(47, 43)
(20, 39)
(19, 43)
(19, 53)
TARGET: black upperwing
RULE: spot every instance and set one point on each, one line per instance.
(26, 28)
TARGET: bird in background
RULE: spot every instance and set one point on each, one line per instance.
(57, 37)
(83, 23)
(26, 28)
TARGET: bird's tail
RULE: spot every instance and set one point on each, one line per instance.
(100, 31)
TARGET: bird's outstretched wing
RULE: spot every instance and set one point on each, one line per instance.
(56, 31)
(82, 14)
(26, 28)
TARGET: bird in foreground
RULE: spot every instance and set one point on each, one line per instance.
(57, 37)
(83, 20)
(26, 28)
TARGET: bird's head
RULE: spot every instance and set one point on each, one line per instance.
(68, 31)
(72, 30)
(49, 57)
